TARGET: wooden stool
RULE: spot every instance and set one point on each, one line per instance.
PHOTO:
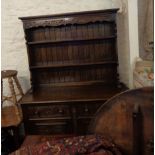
(11, 75)
(11, 116)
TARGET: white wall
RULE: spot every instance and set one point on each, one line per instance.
(128, 43)
(133, 37)
(123, 43)
(14, 55)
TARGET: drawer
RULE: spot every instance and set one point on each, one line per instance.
(47, 111)
(87, 109)
(48, 127)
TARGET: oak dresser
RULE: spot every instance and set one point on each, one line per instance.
(73, 65)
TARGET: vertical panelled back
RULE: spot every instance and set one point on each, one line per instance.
(78, 48)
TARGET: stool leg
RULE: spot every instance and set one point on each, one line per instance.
(12, 90)
(2, 93)
(18, 85)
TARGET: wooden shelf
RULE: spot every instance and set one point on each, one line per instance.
(72, 64)
(77, 83)
(70, 40)
(71, 94)
(55, 118)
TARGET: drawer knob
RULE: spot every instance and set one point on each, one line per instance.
(36, 112)
(86, 109)
(60, 111)
(47, 112)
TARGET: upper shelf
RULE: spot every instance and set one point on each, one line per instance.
(72, 64)
(70, 40)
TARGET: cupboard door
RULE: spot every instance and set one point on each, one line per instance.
(51, 126)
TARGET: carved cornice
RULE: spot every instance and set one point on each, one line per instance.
(67, 20)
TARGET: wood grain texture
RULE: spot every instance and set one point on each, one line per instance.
(73, 63)
(70, 18)
(114, 119)
(71, 94)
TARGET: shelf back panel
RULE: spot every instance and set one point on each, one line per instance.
(90, 51)
(105, 74)
(71, 32)
(72, 48)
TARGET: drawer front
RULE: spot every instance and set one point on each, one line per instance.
(47, 111)
(85, 109)
(59, 119)
(48, 127)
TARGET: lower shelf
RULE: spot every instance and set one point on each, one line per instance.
(63, 94)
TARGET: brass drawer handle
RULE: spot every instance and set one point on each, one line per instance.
(60, 111)
(36, 112)
(86, 109)
(47, 112)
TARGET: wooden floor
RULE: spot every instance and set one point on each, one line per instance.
(70, 94)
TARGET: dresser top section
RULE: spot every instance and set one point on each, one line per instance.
(72, 49)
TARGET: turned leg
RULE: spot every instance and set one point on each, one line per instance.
(12, 90)
(2, 93)
(18, 85)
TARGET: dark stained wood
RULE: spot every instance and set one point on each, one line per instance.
(69, 18)
(71, 40)
(119, 120)
(137, 130)
(66, 94)
(72, 13)
(73, 63)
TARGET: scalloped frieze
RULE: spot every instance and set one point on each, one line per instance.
(67, 20)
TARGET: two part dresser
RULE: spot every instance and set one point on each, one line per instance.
(73, 65)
